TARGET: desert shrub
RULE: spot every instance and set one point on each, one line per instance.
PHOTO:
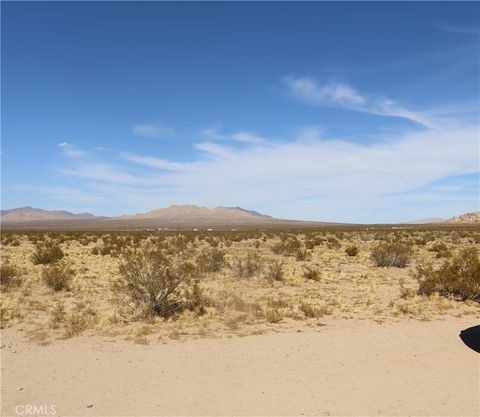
(79, 319)
(275, 270)
(247, 266)
(57, 276)
(333, 243)
(351, 250)
(197, 301)
(366, 237)
(458, 277)
(212, 241)
(406, 292)
(289, 246)
(211, 260)
(440, 249)
(312, 311)
(273, 316)
(179, 243)
(47, 254)
(313, 273)
(154, 284)
(9, 276)
(302, 255)
(312, 241)
(57, 315)
(391, 254)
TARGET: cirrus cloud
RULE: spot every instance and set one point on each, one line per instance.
(152, 130)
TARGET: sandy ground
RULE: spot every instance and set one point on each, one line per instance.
(344, 368)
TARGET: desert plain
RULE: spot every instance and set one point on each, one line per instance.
(326, 321)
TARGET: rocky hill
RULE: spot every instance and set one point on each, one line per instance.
(467, 218)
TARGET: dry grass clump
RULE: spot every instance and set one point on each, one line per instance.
(289, 246)
(314, 311)
(311, 242)
(333, 243)
(275, 270)
(57, 276)
(351, 250)
(82, 316)
(406, 292)
(394, 254)
(311, 272)
(273, 316)
(440, 249)
(57, 315)
(302, 255)
(211, 260)
(47, 254)
(155, 284)
(246, 266)
(9, 276)
(197, 300)
(459, 277)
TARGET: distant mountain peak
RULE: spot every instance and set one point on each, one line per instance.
(193, 212)
(28, 213)
(252, 212)
(427, 220)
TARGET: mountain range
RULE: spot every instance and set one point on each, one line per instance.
(174, 216)
(29, 213)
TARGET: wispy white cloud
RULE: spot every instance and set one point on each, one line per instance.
(101, 172)
(336, 94)
(152, 130)
(71, 151)
(282, 177)
(471, 30)
(156, 163)
(63, 194)
(214, 134)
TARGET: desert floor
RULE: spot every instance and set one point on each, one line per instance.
(289, 324)
(344, 368)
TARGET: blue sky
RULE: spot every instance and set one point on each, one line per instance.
(351, 112)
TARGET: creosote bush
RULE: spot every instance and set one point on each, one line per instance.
(302, 255)
(440, 249)
(247, 266)
(289, 246)
(351, 250)
(458, 277)
(9, 276)
(391, 254)
(47, 254)
(211, 260)
(57, 276)
(156, 284)
(333, 243)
